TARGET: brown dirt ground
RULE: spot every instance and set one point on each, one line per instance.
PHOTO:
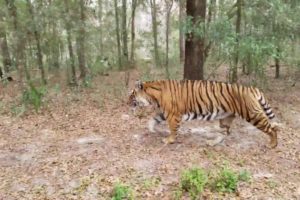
(82, 142)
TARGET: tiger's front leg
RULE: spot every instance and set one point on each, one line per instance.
(173, 126)
(154, 121)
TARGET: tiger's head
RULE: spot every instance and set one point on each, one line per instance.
(138, 96)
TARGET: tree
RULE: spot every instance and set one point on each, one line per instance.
(5, 52)
(124, 30)
(133, 8)
(38, 43)
(100, 13)
(169, 5)
(181, 32)
(194, 43)
(118, 33)
(19, 44)
(67, 23)
(154, 31)
(80, 41)
(234, 68)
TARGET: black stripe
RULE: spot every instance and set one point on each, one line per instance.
(232, 99)
(209, 99)
(225, 98)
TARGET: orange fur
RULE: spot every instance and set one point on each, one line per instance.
(208, 100)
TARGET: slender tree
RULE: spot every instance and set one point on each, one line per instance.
(67, 23)
(19, 38)
(194, 45)
(37, 40)
(234, 68)
(133, 8)
(154, 31)
(80, 41)
(100, 16)
(124, 30)
(181, 32)
(169, 5)
(118, 33)
(5, 51)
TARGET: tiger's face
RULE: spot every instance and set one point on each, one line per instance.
(138, 96)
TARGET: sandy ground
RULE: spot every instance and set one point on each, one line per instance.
(82, 142)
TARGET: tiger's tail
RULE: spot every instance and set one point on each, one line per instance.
(265, 105)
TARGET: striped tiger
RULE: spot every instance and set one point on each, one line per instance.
(186, 100)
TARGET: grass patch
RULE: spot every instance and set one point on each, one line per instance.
(192, 181)
(225, 181)
(121, 192)
(195, 180)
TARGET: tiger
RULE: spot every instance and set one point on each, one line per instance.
(183, 100)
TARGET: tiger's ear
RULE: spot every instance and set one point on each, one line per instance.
(139, 85)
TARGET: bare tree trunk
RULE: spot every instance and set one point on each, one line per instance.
(277, 65)
(211, 13)
(5, 52)
(69, 39)
(38, 45)
(154, 31)
(124, 30)
(19, 38)
(133, 8)
(118, 33)
(80, 41)
(100, 26)
(194, 46)
(169, 5)
(234, 68)
(181, 33)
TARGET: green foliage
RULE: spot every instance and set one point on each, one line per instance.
(121, 192)
(244, 175)
(225, 181)
(34, 96)
(193, 181)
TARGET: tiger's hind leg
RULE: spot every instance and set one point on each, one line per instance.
(226, 123)
(154, 121)
(260, 121)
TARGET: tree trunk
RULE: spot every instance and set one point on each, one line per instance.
(38, 44)
(19, 38)
(100, 26)
(194, 46)
(5, 52)
(124, 31)
(133, 8)
(234, 68)
(118, 33)
(154, 31)
(69, 40)
(80, 41)
(181, 33)
(169, 5)
(277, 66)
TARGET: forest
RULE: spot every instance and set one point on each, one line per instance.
(66, 70)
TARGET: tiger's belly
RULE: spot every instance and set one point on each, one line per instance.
(206, 116)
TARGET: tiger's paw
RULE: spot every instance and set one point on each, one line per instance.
(273, 144)
(169, 140)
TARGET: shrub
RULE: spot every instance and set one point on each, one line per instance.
(193, 181)
(121, 192)
(225, 181)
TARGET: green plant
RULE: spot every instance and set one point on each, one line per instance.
(33, 96)
(121, 192)
(193, 181)
(244, 175)
(225, 181)
(151, 182)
